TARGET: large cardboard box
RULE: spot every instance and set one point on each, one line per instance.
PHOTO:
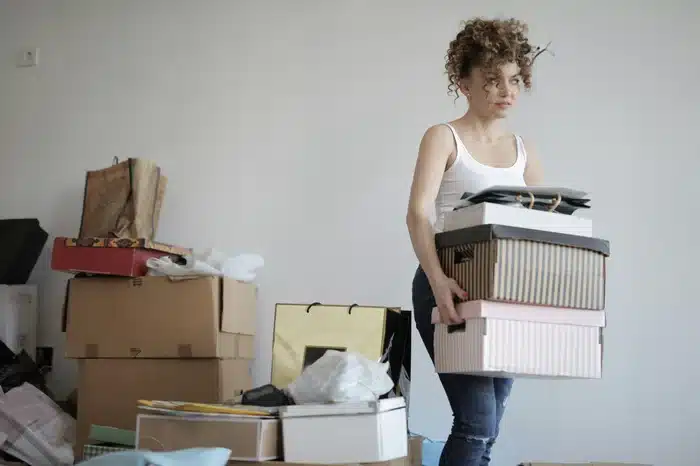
(108, 389)
(155, 317)
(515, 340)
(248, 438)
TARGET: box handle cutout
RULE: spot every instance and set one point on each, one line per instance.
(454, 328)
(463, 255)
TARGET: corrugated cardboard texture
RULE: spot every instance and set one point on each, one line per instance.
(415, 450)
(154, 317)
(108, 389)
(248, 439)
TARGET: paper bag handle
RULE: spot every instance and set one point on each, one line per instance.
(555, 203)
(308, 308)
(519, 198)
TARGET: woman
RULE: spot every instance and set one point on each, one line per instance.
(488, 62)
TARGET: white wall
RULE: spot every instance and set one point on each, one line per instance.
(293, 133)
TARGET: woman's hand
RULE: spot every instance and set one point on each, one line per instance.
(445, 290)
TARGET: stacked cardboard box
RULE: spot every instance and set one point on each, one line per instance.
(155, 338)
(536, 286)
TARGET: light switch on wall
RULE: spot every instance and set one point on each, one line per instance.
(28, 57)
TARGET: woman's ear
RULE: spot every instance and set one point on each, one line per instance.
(464, 88)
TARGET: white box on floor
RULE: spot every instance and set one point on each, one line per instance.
(18, 317)
(515, 340)
(360, 432)
(517, 216)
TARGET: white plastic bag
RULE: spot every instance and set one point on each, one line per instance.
(243, 267)
(338, 377)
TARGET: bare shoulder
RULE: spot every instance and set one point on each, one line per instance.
(438, 136)
(534, 174)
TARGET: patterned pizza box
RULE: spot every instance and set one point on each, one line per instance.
(109, 256)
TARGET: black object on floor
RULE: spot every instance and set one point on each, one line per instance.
(267, 396)
(21, 243)
(19, 370)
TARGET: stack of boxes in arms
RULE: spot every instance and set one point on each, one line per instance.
(535, 276)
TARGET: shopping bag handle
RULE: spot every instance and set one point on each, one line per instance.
(308, 308)
(519, 199)
(555, 203)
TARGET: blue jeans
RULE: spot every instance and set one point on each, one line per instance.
(477, 402)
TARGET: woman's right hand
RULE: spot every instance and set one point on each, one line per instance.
(445, 290)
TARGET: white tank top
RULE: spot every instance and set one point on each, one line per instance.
(468, 175)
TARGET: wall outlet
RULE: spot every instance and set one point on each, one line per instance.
(27, 58)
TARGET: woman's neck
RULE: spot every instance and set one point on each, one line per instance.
(482, 129)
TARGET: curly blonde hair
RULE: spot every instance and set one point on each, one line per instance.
(487, 44)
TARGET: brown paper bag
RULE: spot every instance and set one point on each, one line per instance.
(123, 201)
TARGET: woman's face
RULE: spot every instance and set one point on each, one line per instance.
(491, 93)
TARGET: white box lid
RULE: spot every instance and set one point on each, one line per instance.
(343, 409)
(523, 312)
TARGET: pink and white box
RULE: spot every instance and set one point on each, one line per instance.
(500, 339)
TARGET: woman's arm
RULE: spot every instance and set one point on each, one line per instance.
(435, 150)
(534, 174)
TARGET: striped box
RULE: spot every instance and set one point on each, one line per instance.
(511, 264)
(511, 340)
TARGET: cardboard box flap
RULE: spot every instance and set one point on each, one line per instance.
(156, 317)
(237, 300)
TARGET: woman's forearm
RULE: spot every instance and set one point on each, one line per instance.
(423, 240)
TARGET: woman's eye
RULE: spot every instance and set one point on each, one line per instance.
(515, 81)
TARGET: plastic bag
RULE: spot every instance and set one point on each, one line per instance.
(200, 456)
(338, 377)
(243, 267)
